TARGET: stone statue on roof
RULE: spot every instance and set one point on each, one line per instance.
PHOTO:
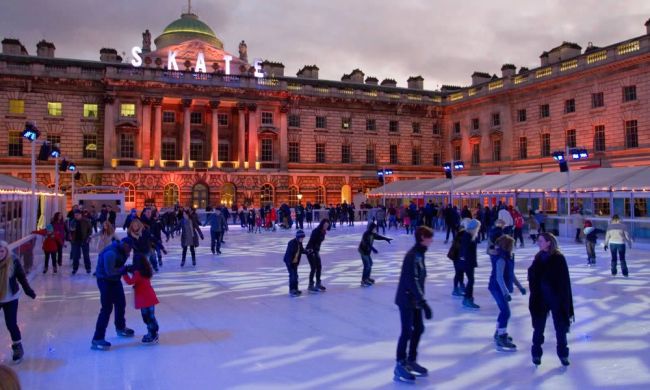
(146, 41)
(243, 51)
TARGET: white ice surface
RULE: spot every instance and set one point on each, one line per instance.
(229, 323)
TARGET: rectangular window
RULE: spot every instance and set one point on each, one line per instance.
(456, 127)
(393, 154)
(631, 134)
(475, 124)
(346, 154)
(546, 145)
(294, 152)
(496, 150)
(196, 151)
(346, 123)
(267, 118)
(436, 128)
(571, 138)
(267, 150)
(521, 115)
(496, 119)
(320, 153)
(544, 111)
(393, 126)
(15, 144)
(476, 154)
(416, 127)
(569, 106)
(457, 152)
(11, 221)
(127, 145)
(54, 108)
(370, 155)
(597, 100)
(437, 160)
(90, 146)
(53, 139)
(629, 93)
(601, 206)
(371, 125)
(127, 110)
(523, 148)
(224, 152)
(168, 150)
(321, 122)
(415, 156)
(599, 138)
(294, 120)
(169, 117)
(196, 118)
(16, 106)
(90, 110)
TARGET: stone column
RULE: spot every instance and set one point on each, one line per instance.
(241, 135)
(284, 141)
(109, 130)
(157, 132)
(145, 134)
(187, 103)
(253, 126)
(214, 134)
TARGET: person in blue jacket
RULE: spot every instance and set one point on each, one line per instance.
(412, 303)
(292, 260)
(218, 227)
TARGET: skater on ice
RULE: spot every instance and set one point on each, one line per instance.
(292, 261)
(365, 249)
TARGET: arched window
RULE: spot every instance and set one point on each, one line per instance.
(346, 194)
(266, 195)
(228, 194)
(129, 196)
(320, 195)
(293, 196)
(170, 195)
(200, 196)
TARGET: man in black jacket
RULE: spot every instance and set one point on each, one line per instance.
(365, 248)
(313, 254)
(411, 302)
(80, 237)
(292, 260)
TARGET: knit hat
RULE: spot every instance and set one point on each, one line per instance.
(472, 224)
(300, 234)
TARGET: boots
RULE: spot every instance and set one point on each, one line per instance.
(18, 353)
(417, 369)
(457, 292)
(504, 343)
(469, 303)
(401, 373)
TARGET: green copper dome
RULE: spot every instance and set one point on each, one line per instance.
(187, 28)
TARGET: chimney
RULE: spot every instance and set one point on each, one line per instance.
(13, 47)
(308, 72)
(108, 55)
(565, 51)
(508, 70)
(273, 69)
(45, 49)
(647, 27)
(416, 82)
(543, 59)
(372, 81)
(389, 83)
(480, 78)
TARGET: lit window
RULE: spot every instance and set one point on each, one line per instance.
(170, 195)
(127, 110)
(266, 195)
(90, 146)
(15, 144)
(54, 108)
(90, 110)
(345, 123)
(16, 106)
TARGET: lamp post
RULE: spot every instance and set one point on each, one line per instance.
(56, 153)
(381, 175)
(449, 168)
(31, 133)
(562, 159)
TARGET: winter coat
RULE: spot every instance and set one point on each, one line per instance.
(506, 217)
(50, 242)
(468, 250)
(591, 234)
(59, 231)
(189, 235)
(410, 290)
(617, 234)
(128, 220)
(504, 282)
(109, 262)
(143, 294)
(81, 231)
(533, 225)
(316, 239)
(294, 248)
(217, 223)
(550, 286)
(365, 247)
(18, 277)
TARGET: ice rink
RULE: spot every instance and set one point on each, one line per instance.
(229, 323)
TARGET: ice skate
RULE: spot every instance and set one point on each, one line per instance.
(565, 361)
(504, 343)
(18, 353)
(149, 339)
(537, 360)
(313, 289)
(469, 303)
(365, 283)
(126, 332)
(402, 374)
(417, 369)
(457, 292)
(100, 345)
(320, 287)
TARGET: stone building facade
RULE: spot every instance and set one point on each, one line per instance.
(225, 135)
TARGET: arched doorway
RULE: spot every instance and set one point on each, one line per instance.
(320, 196)
(200, 196)
(293, 196)
(170, 195)
(266, 195)
(346, 194)
(228, 194)
(129, 195)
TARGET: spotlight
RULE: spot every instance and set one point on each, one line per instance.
(31, 133)
(72, 167)
(55, 151)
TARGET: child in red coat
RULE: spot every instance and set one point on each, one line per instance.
(145, 296)
(50, 246)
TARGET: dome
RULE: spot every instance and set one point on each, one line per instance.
(187, 28)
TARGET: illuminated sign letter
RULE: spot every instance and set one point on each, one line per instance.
(227, 59)
(137, 60)
(171, 61)
(258, 68)
(200, 63)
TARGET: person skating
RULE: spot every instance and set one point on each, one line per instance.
(50, 246)
(468, 260)
(292, 260)
(591, 238)
(144, 296)
(454, 255)
(12, 275)
(533, 227)
(501, 285)
(550, 291)
(313, 254)
(80, 238)
(412, 305)
(189, 237)
(365, 249)
(615, 239)
(217, 229)
(110, 268)
(60, 231)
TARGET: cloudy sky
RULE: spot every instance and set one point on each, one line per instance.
(442, 40)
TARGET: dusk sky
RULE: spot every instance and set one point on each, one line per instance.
(444, 41)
